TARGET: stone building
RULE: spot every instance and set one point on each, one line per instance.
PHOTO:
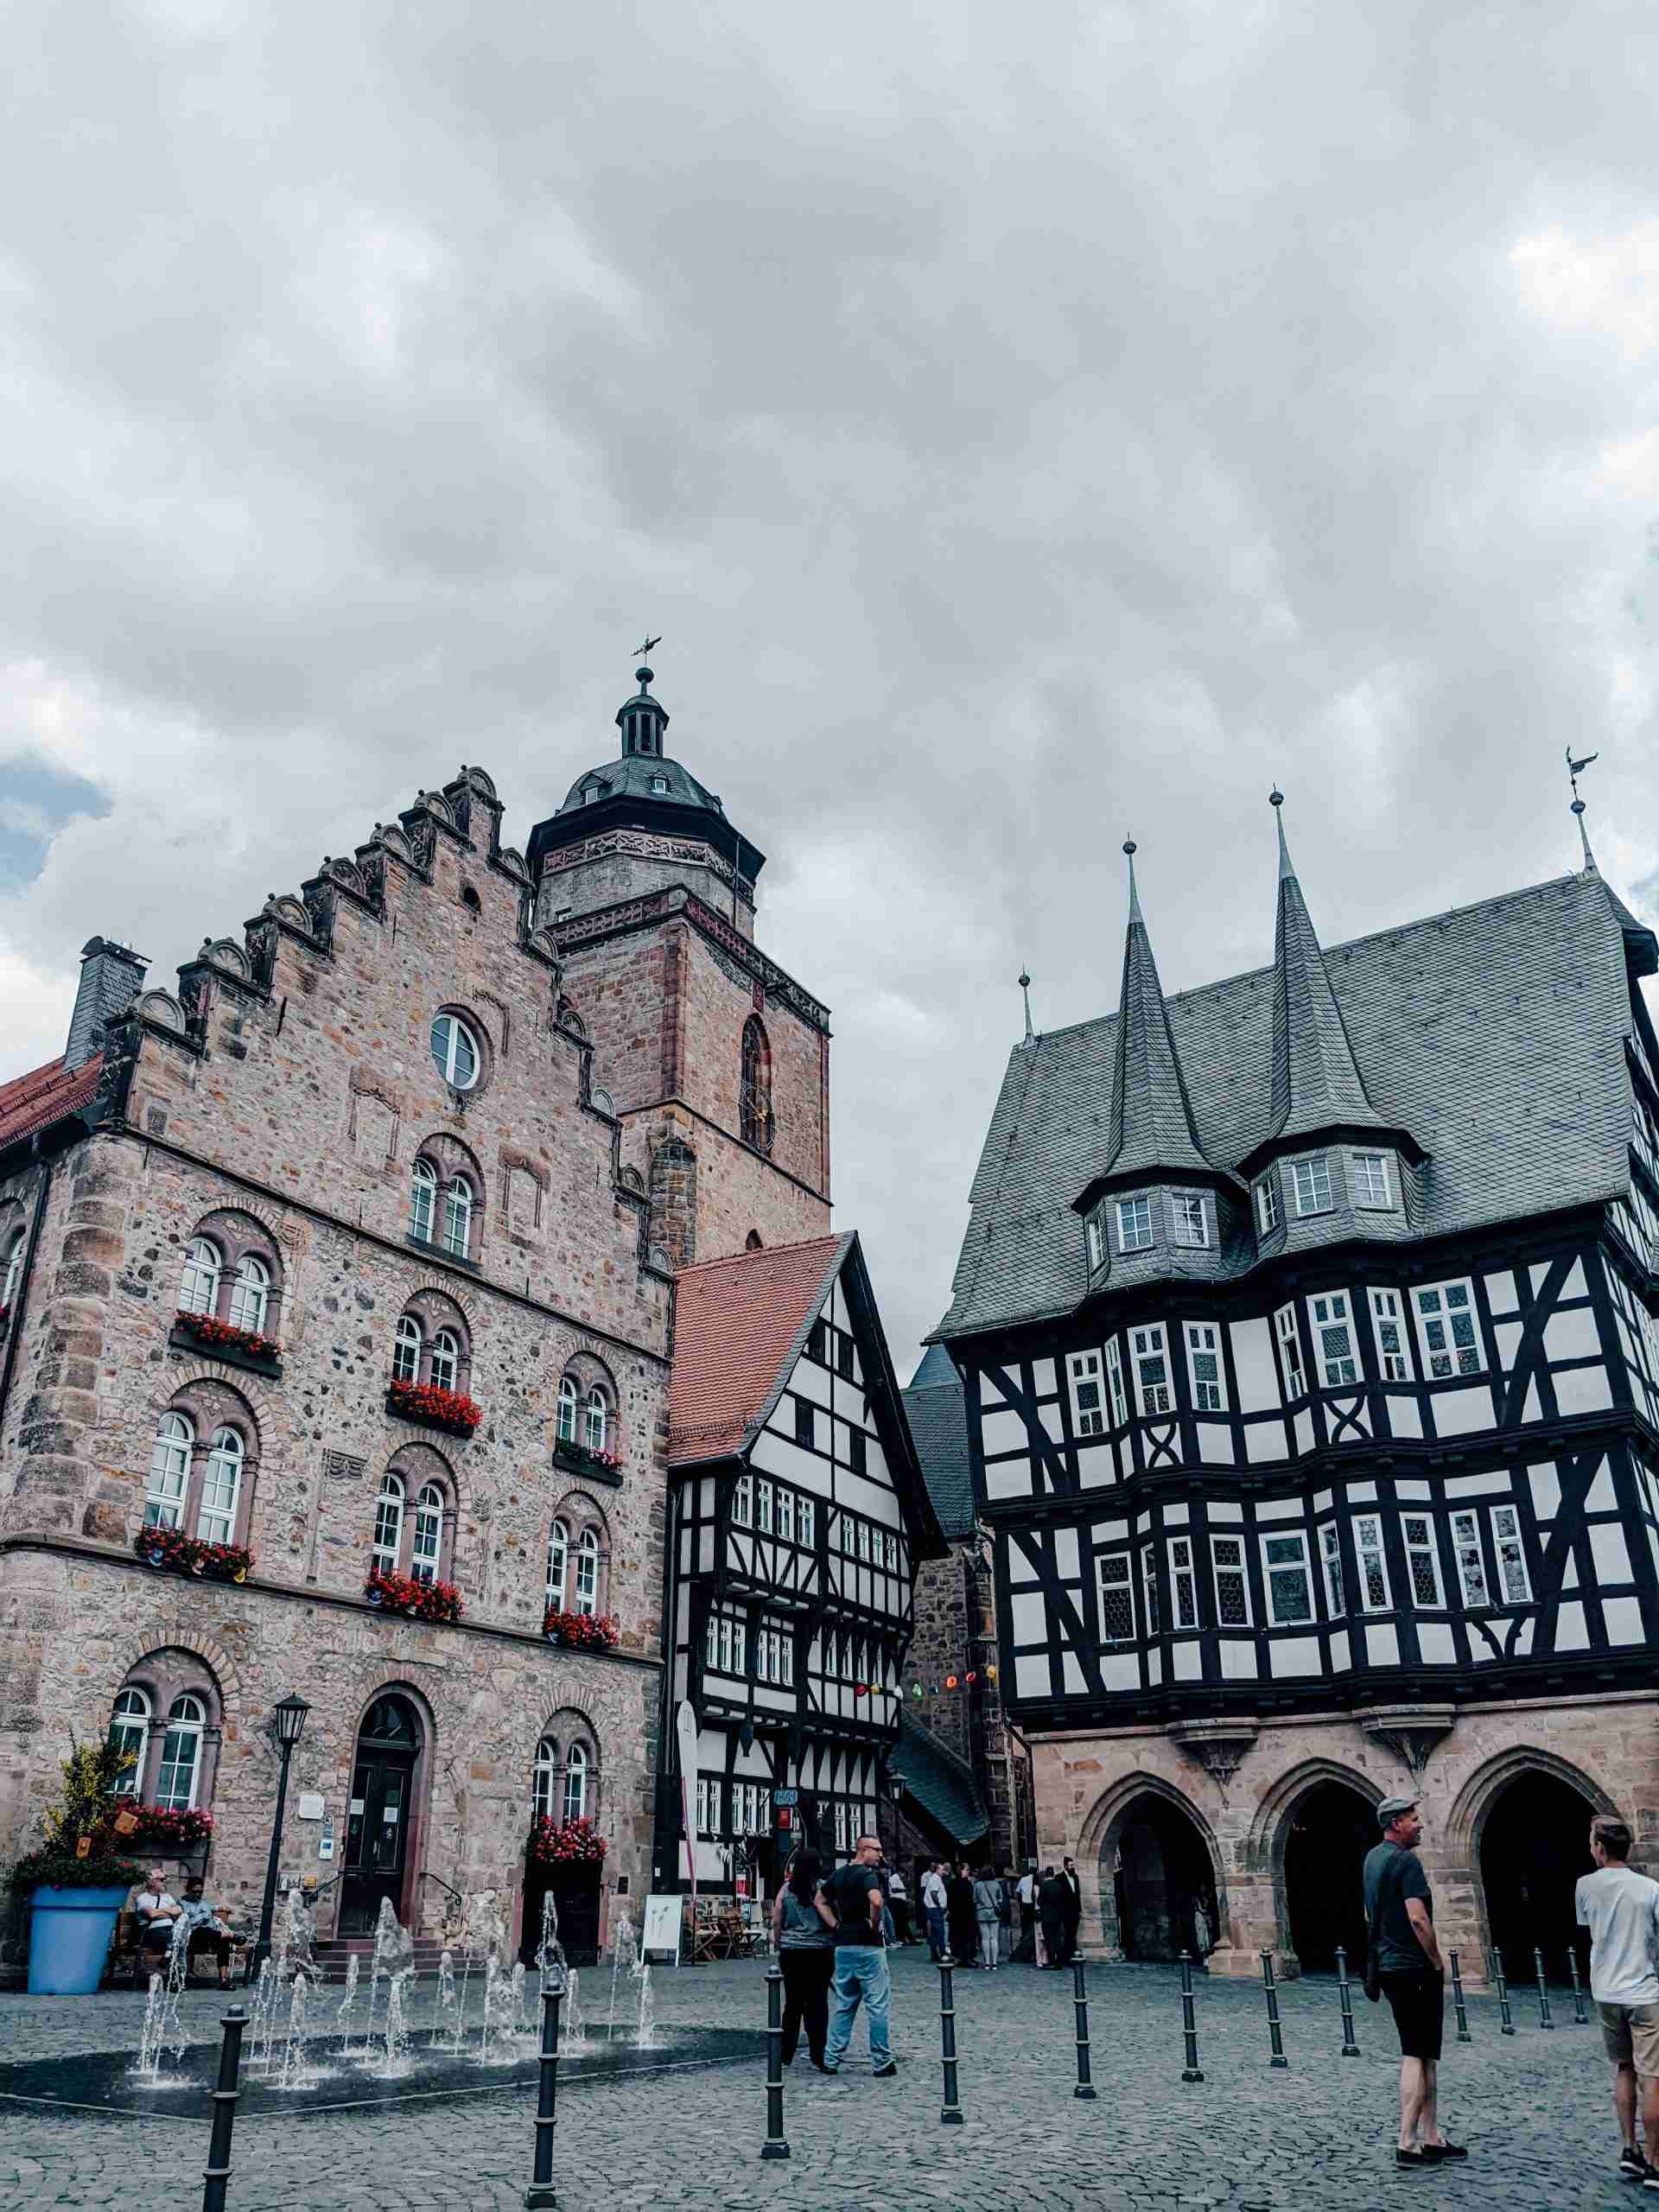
(1307, 1323)
(337, 1297)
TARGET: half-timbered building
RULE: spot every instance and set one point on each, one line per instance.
(798, 1517)
(1308, 1326)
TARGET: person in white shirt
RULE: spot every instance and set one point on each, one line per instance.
(1025, 1890)
(933, 1909)
(158, 1915)
(1621, 1909)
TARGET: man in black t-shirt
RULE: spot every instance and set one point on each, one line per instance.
(1401, 1914)
(854, 1894)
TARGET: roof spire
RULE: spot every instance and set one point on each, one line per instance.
(1151, 1127)
(1574, 769)
(1130, 849)
(1025, 986)
(1276, 801)
(640, 719)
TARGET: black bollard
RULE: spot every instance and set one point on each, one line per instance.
(1544, 2020)
(950, 2111)
(1463, 2035)
(216, 2175)
(1080, 1998)
(774, 2146)
(1189, 2022)
(1344, 1991)
(1578, 2019)
(1508, 2028)
(1275, 2037)
(541, 2191)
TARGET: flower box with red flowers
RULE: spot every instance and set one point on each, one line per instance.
(602, 1466)
(584, 1631)
(182, 1829)
(451, 1410)
(565, 1843)
(422, 1601)
(173, 1549)
(220, 1340)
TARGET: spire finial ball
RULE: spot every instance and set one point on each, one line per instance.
(1578, 806)
(1130, 848)
(1276, 796)
(1025, 981)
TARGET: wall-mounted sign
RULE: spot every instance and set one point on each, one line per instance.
(311, 1805)
(782, 1797)
(326, 1838)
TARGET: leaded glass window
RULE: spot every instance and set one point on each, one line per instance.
(1373, 1570)
(1116, 1599)
(1290, 1585)
(1232, 1581)
(1333, 1333)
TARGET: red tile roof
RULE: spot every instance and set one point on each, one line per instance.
(44, 1096)
(736, 1322)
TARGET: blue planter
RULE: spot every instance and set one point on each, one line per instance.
(69, 1940)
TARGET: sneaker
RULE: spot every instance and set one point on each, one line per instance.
(1649, 2175)
(885, 2073)
(1632, 2166)
(1437, 2153)
(1411, 2157)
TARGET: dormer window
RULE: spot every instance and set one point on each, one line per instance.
(1191, 1225)
(589, 793)
(1097, 1237)
(1134, 1224)
(1371, 1181)
(1311, 1181)
(659, 784)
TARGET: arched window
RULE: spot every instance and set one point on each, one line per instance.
(754, 1088)
(567, 1411)
(598, 1419)
(454, 1051)
(587, 1600)
(446, 1360)
(575, 1783)
(426, 1553)
(558, 1564)
(221, 1488)
(406, 1352)
(389, 1523)
(423, 1199)
(457, 1217)
(175, 1784)
(199, 1284)
(251, 1294)
(14, 1271)
(129, 1735)
(545, 1779)
(169, 1472)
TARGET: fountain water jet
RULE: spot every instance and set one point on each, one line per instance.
(621, 1946)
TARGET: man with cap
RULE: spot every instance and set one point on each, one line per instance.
(1409, 1967)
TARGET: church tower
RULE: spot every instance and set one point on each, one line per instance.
(716, 1061)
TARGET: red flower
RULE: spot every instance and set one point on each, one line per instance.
(556, 1843)
(450, 1409)
(171, 1547)
(206, 1331)
(403, 1593)
(585, 1631)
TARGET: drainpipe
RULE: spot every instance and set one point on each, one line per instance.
(16, 1330)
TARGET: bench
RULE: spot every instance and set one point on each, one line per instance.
(124, 1962)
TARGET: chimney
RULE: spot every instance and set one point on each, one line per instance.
(111, 976)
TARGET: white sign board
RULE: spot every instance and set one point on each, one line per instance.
(663, 1923)
(311, 1805)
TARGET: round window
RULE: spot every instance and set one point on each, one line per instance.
(455, 1049)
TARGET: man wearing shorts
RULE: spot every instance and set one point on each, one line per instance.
(1621, 1909)
(1400, 1912)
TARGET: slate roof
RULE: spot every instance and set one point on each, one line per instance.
(45, 1094)
(1150, 1125)
(630, 777)
(937, 1409)
(941, 1784)
(1493, 1032)
(740, 1324)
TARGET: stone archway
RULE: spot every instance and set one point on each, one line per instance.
(1309, 1838)
(1156, 1870)
(1515, 1841)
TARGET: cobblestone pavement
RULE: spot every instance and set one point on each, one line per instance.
(1535, 2109)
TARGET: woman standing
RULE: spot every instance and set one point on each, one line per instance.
(960, 1916)
(803, 1929)
(987, 1908)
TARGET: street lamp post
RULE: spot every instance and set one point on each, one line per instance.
(289, 1721)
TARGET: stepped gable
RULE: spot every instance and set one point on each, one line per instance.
(1494, 1032)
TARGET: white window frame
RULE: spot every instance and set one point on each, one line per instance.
(743, 1501)
(1389, 1317)
(167, 1490)
(426, 1543)
(1423, 1546)
(1470, 1558)
(1330, 1562)
(1272, 1569)
(449, 1034)
(1114, 1383)
(1364, 1183)
(1437, 1319)
(1204, 1342)
(251, 1294)
(1503, 1538)
(1189, 1221)
(1266, 1204)
(576, 1783)
(1370, 1548)
(445, 1367)
(1151, 1611)
(806, 1517)
(1240, 1565)
(1308, 1177)
(406, 1350)
(389, 1503)
(14, 1270)
(1333, 1309)
(1095, 1237)
(784, 1514)
(1183, 1584)
(1150, 1340)
(186, 1720)
(1120, 1579)
(129, 1719)
(1288, 1336)
(762, 1506)
(457, 1238)
(1083, 1371)
(585, 1596)
(1135, 1215)
(221, 1489)
(422, 1200)
(558, 1565)
(568, 1409)
(597, 1417)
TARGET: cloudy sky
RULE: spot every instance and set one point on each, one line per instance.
(1025, 426)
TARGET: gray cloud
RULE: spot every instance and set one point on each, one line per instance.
(1025, 426)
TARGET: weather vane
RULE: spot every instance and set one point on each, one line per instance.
(642, 650)
(1575, 770)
